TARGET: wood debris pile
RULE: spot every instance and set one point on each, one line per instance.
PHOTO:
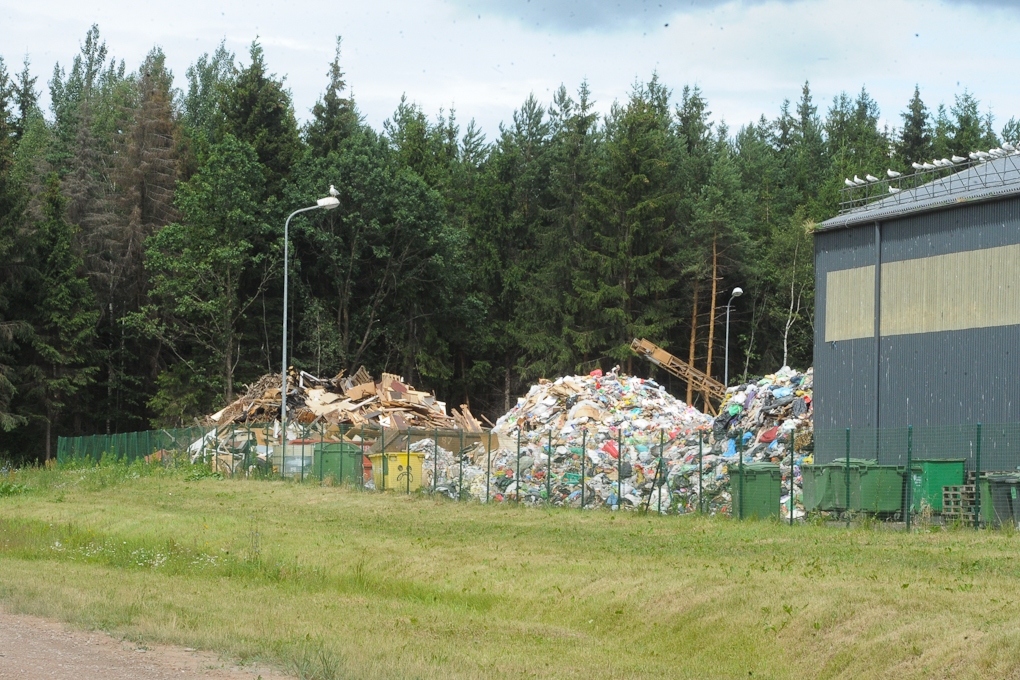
(357, 399)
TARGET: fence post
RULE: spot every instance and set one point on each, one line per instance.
(910, 480)
(488, 466)
(619, 467)
(460, 473)
(407, 467)
(740, 474)
(382, 459)
(361, 482)
(548, 472)
(846, 478)
(517, 479)
(322, 451)
(701, 472)
(793, 440)
(435, 460)
(584, 459)
(977, 480)
(662, 451)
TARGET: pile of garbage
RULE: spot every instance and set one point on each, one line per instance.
(624, 442)
(357, 399)
(766, 420)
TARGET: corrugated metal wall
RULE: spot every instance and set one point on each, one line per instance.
(942, 382)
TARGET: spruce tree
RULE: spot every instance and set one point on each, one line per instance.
(334, 117)
(915, 140)
(257, 110)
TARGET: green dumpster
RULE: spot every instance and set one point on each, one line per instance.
(1003, 493)
(757, 492)
(873, 487)
(927, 477)
(817, 486)
(342, 460)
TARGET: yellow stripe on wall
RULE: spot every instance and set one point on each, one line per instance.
(850, 303)
(973, 289)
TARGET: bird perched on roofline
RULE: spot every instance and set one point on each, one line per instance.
(917, 166)
(333, 192)
(858, 181)
(957, 159)
(928, 166)
(849, 183)
(893, 190)
(1008, 147)
(893, 174)
(871, 178)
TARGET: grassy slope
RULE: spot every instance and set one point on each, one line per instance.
(350, 584)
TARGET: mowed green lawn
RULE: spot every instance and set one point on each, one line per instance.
(337, 583)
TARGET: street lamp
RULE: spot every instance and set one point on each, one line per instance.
(327, 203)
(737, 292)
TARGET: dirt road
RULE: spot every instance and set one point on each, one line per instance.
(32, 648)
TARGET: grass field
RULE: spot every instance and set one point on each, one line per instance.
(337, 583)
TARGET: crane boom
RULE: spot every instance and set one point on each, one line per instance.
(709, 387)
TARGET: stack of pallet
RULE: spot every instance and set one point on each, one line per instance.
(958, 502)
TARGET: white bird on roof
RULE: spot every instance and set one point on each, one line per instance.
(893, 174)
(927, 166)
(983, 154)
(973, 156)
(332, 191)
(871, 178)
(957, 159)
(917, 166)
(858, 181)
(849, 183)
(893, 190)
(1008, 147)
(946, 163)
(938, 163)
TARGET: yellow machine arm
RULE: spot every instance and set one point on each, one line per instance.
(711, 389)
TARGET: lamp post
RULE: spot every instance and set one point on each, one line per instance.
(327, 203)
(737, 292)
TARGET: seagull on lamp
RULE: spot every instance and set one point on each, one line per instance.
(333, 192)
(893, 174)
(871, 178)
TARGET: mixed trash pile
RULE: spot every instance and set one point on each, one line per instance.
(624, 442)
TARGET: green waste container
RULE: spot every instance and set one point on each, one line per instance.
(825, 485)
(927, 477)
(1003, 492)
(342, 460)
(873, 488)
(757, 493)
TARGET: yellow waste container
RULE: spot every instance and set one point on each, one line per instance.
(397, 470)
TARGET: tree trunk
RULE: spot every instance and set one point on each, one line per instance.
(694, 338)
(49, 425)
(711, 318)
(506, 388)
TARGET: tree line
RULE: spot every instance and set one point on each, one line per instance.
(141, 236)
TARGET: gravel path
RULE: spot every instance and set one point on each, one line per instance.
(32, 648)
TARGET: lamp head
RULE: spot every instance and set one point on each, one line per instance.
(737, 292)
(328, 203)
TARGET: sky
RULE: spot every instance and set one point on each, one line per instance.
(482, 58)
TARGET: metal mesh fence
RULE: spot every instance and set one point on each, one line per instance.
(951, 475)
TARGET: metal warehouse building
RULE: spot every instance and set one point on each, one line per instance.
(918, 318)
